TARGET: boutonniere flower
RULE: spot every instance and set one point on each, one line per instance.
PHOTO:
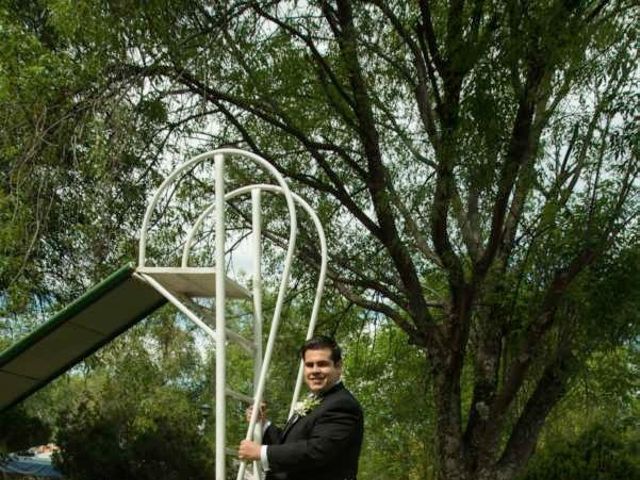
(307, 405)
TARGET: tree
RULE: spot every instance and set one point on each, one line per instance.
(21, 431)
(136, 412)
(475, 162)
(399, 421)
(602, 452)
(63, 154)
(160, 439)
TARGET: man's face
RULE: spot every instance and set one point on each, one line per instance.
(320, 373)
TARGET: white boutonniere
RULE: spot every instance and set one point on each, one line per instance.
(307, 405)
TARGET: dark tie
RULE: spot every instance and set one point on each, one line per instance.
(290, 423)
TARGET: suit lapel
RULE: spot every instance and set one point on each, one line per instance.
(294, 418)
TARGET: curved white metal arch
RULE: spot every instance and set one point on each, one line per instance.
(323, 262)
(142, 245)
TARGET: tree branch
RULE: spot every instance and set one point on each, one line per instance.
(430, 36)
(420, 91)
(550, 389)
(521, 149)
(378, 176)
(319, 59)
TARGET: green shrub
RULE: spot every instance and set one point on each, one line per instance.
(156, 440)
(20, 430)
(603, 452)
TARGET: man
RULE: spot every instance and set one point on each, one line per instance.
(322, 440)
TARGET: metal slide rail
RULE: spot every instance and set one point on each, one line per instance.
(220, 333)
(256, 222)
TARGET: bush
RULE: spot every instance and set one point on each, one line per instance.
(20, 430)
(155, 440)
(602, 452)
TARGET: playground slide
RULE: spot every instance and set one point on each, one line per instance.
(101, 314)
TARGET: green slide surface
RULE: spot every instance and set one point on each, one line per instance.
(93, 320)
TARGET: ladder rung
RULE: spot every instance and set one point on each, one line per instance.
(240, 340)
(231, 335)
(239, 396)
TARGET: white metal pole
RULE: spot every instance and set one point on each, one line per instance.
(275, 321)
(256, 219)
(178, 304)
(221, 327)
(319, 289)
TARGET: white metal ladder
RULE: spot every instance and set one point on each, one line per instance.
(181, 284)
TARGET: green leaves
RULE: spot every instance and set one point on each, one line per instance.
(21, 430)
(603, 452)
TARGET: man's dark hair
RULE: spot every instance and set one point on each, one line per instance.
(322, 342)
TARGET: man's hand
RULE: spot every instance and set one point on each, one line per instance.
(249, 450)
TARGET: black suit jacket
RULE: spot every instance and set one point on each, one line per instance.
(322, 445)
